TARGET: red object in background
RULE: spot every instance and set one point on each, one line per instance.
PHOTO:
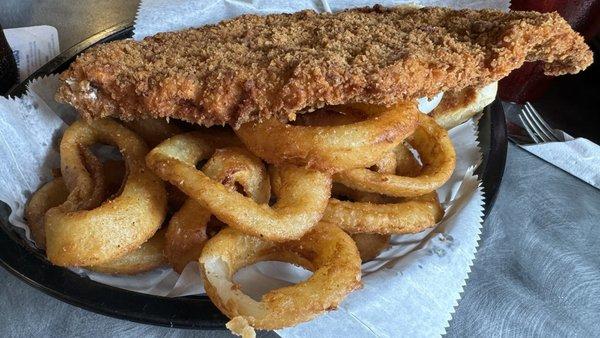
(528, 82)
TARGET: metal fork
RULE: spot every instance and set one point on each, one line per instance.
(536, 127)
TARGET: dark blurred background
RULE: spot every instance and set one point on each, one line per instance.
(570, 103)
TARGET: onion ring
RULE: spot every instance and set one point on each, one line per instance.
(329, 116)
(55, 193)
(326, 250)
(149, 256)
(76, 236)
(401, 217)
(236, 168)
(436, 152)
(298, 209)
(332, 148)
(90, 191)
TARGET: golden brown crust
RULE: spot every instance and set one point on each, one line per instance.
(255, 67)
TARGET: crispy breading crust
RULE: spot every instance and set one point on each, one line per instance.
(254, 67)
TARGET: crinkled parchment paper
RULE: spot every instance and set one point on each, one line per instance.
(411, 289)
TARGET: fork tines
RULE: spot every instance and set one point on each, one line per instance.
(535, 125)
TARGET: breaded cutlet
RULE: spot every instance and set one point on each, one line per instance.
(254, 67)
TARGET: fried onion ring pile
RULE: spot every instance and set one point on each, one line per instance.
(325, 192)
(299, 206)
(317, 154)
(188, 231)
